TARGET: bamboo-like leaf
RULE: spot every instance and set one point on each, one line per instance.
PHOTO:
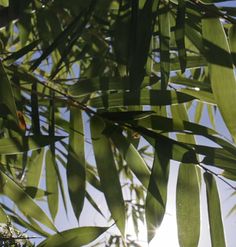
(6, 93)
(92, 177)
(172, 149)
(52, 183)
(187, 184)
(203, 96)
(193, 83)
(157, 192)
(164, 29)
(195, 37)
(188, 210)
(134, 160)
(35, 192)
(125, 116)
(76, 174)
(140, 38)
(232, 42)
(34, 172)
(3, 216)
(74, 237)
(62, 37)
(146, 97)
(211, 114)
(105, 84)
(31, 225)
(180, 34)
(23, 51)
(198, 112)
(23, 201)
(214, 211)
(192, 62)
(20, 144)
(156, 122)
(221, 70)
(108, 172)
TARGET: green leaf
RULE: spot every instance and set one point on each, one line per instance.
(6, 93)
(52, 183)
(31, 225)
(20, 144)
(23, 51)
(125, 116)
(76, 174)
(201, 95)
(108, 172)
(105, 84)
(164, 29)
(3, 216)
(36, 193)
(198, 112)
(188, 206)
(180, 34)
(172, 149)
(232, 42)
(192, 62)
(74, 237)
(155, 204)
(4, 3)
(221, 70)
(34, 172)
(214, 211)
(140, 35)
(134, 160)
(146, 97)
(193, 83)
(23, 201)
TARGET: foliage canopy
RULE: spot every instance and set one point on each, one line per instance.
(130, 80)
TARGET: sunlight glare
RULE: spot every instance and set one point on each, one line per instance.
(166, 235)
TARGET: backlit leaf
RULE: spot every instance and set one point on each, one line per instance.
(23, 201)
(74, 237)
(214, 211)
(221, 70)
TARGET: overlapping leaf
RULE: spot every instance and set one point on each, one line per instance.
(74, 237)
(214, 211)
(221, 70)
(108, 172)
(76, 174)
(24, 202)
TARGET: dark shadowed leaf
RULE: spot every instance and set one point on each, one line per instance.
(146, 97)
(51, 183)
(108, 172)
(6, 93)
(134, 160)
(76, 174)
